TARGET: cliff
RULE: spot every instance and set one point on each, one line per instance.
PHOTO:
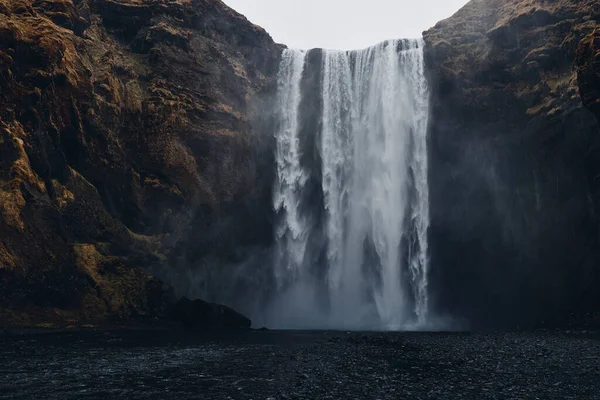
(130, 134)
(588, 71)
(514, 160)
(135, 143)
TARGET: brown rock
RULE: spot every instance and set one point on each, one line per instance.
(126, 136)
(200, 314)
(588, 71)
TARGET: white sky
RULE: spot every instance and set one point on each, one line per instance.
(344, 24)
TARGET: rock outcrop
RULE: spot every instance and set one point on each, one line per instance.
(588, 71)
(130, 142)
(514, 160)
(199, 314)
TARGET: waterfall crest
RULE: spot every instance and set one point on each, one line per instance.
(353, 255)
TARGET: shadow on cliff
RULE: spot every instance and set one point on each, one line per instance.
(229, 260)
(514, 202)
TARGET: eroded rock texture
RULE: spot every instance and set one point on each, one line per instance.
(514, 161)
(134, 141)
(588, 71)
(128, 142)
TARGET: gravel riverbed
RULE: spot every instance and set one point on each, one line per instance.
(299, 365)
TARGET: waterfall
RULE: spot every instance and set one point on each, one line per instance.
(290, 229)
(373, 214)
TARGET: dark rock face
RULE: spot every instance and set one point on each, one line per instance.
(199, 314)
(131, 140)
(514, 162)
(588, 71)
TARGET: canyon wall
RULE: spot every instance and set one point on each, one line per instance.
(514, 161)
(136, 143)
(131, 143)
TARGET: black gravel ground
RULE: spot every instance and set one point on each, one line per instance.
(300, 365)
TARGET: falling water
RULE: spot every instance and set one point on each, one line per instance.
(375, 206)
(290, 230)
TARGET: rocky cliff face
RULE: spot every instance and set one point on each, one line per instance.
(588, 71)
(134, 141)
(130, 139)
(514, 160)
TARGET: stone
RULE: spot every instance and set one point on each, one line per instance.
(127, 149)
(199, 314)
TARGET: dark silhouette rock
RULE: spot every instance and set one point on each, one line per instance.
(199, 314)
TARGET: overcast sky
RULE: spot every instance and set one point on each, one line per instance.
(344, 24)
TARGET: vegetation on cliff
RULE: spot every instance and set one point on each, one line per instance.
(126, 134)
(588, 71)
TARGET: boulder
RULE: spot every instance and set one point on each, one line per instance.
(199, 314)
